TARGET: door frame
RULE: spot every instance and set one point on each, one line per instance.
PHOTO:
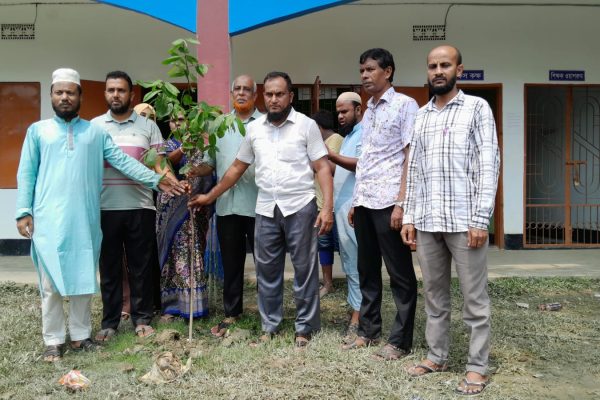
(499, 201)
(568, 170)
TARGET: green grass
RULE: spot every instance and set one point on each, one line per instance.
(535, 355)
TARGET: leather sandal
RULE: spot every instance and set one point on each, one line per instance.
(360, 342)
(389, 352)
(53, 353)
(84, 345)
(144, 331)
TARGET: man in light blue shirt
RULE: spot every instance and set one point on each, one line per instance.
(348, 107)
(235, 208)
(59, 184)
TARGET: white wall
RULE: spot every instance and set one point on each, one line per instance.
(514, 45)
(93, 39)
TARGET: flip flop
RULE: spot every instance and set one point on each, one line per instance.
(104, 335)
(426, 369)
(462, 387)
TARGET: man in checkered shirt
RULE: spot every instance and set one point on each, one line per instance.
(452, 178)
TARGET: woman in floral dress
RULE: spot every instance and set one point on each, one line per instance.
(174, 236)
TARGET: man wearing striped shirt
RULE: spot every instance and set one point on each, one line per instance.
(452, 178)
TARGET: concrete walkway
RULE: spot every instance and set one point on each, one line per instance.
(502, 263)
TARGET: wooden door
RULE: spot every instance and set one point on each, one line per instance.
(19, 108)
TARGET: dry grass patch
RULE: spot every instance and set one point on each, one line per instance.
(535, 355)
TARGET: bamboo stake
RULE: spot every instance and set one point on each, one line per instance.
(192, 270)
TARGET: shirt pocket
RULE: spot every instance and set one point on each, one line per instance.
(290, 152)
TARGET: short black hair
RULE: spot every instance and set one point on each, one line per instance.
(120, 75)
(279, 74)
(383, 57)
(78, 88)
(323, 118)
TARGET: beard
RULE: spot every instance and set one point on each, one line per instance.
(67, 115)
(279, 115)
(243, 108)
(346, 129)
(122, 109)
(441, 90)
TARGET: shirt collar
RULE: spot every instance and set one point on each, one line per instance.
(355, 129)
(62, 121)
(290, 118)
(386, 96)
(132, 117)
(459, 100)
(255, 115)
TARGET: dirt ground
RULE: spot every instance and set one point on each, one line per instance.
(535, 355)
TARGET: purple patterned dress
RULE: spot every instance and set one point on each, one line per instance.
(174, 236)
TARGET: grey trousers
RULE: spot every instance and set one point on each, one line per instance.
(271, 236)
(435, 252)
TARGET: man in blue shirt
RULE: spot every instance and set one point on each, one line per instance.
(349, 111)
(59, 184)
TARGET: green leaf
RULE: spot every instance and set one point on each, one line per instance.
(187, 100)
(149, 158)
(212, 140)
(193, 41)
(178, 42)
(144, 84)
(201, 69)
(171, 60)
(240, 126)
(176, 72)
(148, 96)
(171, 89)
(185, 169)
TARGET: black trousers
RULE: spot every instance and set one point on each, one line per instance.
(132, 231)
(233, 231)
(375, 239)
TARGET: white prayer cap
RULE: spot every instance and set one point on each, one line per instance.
(66, 75)
(349, 96)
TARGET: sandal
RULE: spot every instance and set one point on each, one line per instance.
(351, 334)
(221, 328)
(125, 316)
(84, 345)
(426, 367)
(265, 338)
(389, 352)
(360, 342)
(302, 340)
(166, 319)
(475, 387)
(144, 331)
(53, 353)
(104, 335)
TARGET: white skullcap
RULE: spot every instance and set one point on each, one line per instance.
(349, 96)
(66, 75)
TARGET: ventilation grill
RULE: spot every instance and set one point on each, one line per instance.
(18, 31)
(429, 32)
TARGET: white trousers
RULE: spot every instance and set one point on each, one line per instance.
(53, 316)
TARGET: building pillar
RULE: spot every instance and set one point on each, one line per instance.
(214, 50)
